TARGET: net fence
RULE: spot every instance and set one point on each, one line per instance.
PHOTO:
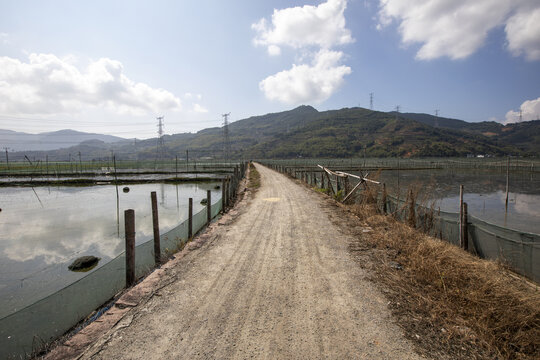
(519, 250)
(30, 328)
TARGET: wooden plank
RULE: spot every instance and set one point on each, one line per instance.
(352, 191)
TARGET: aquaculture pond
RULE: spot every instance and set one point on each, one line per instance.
(44, 229)
(484, 193)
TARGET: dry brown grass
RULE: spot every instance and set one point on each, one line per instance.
(451, 303)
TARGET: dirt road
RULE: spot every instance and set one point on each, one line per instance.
(276, 283)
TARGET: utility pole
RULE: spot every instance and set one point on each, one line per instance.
(437, 118)
(371, 101)
(226, 145)
(520, 115)
(397, 111)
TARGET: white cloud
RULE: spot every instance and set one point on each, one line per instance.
(523, 33)
(47, 84)
(530, 110)
(304, 28)
(274, 50)
(199, 109)
(322, 25)
(307, 83)
(457, 28)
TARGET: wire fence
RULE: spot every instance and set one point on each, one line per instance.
(24, 332)
(519, 250)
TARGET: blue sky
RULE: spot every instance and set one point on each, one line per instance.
(113, 66)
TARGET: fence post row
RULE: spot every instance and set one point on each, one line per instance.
(129, 223)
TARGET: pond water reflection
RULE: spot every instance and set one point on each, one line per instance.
(484, 193)
(45, 228)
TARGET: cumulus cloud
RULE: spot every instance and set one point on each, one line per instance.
(530, 110)
(457, 28)
(319, 73)
(307, 83)
(47, 84)
(523, 33)
(322, 26)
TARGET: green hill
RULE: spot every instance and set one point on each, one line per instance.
(348, 132)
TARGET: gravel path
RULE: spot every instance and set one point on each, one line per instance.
(276, 283)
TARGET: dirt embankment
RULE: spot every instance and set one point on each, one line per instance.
(274, 281)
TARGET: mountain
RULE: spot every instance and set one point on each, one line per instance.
(523, 135)
(20, 141)
(306, 132)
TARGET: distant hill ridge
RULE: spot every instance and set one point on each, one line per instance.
(20, 141)
(348, 132)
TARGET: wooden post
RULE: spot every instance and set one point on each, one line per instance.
(464, 229)
(208, 206)
(223, 195)
(412, 215)
(190, 219)
(155, 223)
(507, 181)
(460, 212)
(129, 219)
(384, 198)
(322, 180)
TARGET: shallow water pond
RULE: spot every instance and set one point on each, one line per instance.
(44, 229)
(484, 193)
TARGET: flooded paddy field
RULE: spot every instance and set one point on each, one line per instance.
(45, 228)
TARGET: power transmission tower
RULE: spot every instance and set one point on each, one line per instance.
(397, 111)
(159, 147)
(226, 144)
(437, 118)
(371, 101)
(520, 115)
